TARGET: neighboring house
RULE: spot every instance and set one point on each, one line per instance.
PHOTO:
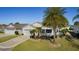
(37, 24)
(10, 29)
(21, 28)
(74, 29)
(2, 27)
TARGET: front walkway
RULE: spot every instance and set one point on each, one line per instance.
(8, 45)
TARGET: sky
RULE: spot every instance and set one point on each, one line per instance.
(29, 14)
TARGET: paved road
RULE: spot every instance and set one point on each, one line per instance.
(8, 45)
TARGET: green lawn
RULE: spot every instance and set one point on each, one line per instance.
(45, 45)
(1, 32)
(3, 39)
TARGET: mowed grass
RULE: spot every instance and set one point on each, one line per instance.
(45, 45)
(3, 39)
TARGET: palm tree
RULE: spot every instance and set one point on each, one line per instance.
(54, 16)
(76, 23)
(76, 16)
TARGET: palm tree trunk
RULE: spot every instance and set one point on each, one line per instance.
(54, 28)
(54, 36)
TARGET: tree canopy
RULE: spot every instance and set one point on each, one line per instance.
(76, 16)
(54, 16)
(76, 23)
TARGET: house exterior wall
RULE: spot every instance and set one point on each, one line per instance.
(12, 31)
(45, 33)
(9, 31)
(26, 30)
(26, 33)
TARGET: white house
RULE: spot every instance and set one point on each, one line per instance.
(10, 29)
(21, 28)
(37, 24)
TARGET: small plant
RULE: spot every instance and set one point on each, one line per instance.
(32, 31)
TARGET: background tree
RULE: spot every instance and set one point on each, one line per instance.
(10, 23)
(76, 23)
(17, 23)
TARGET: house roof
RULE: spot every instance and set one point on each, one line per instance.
(3, 26)
(37, 24)
(10, 27)
(0, 26)
(15, 26)
(30, 27)
(19, 26)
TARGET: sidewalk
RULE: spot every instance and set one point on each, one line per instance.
(8, 45)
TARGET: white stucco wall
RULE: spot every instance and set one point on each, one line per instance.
(9, 31)
(26, 30)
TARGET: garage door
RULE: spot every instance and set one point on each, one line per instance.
(9, 31)
(26, 33)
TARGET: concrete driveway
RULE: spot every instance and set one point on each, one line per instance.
(10, 44)
(4, 35)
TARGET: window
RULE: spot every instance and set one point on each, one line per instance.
(43, 31)
(48, 30)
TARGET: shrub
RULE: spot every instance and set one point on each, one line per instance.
(1, 31)
(16, 32)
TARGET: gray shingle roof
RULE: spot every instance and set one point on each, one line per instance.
(16, 26)
(3, 26)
